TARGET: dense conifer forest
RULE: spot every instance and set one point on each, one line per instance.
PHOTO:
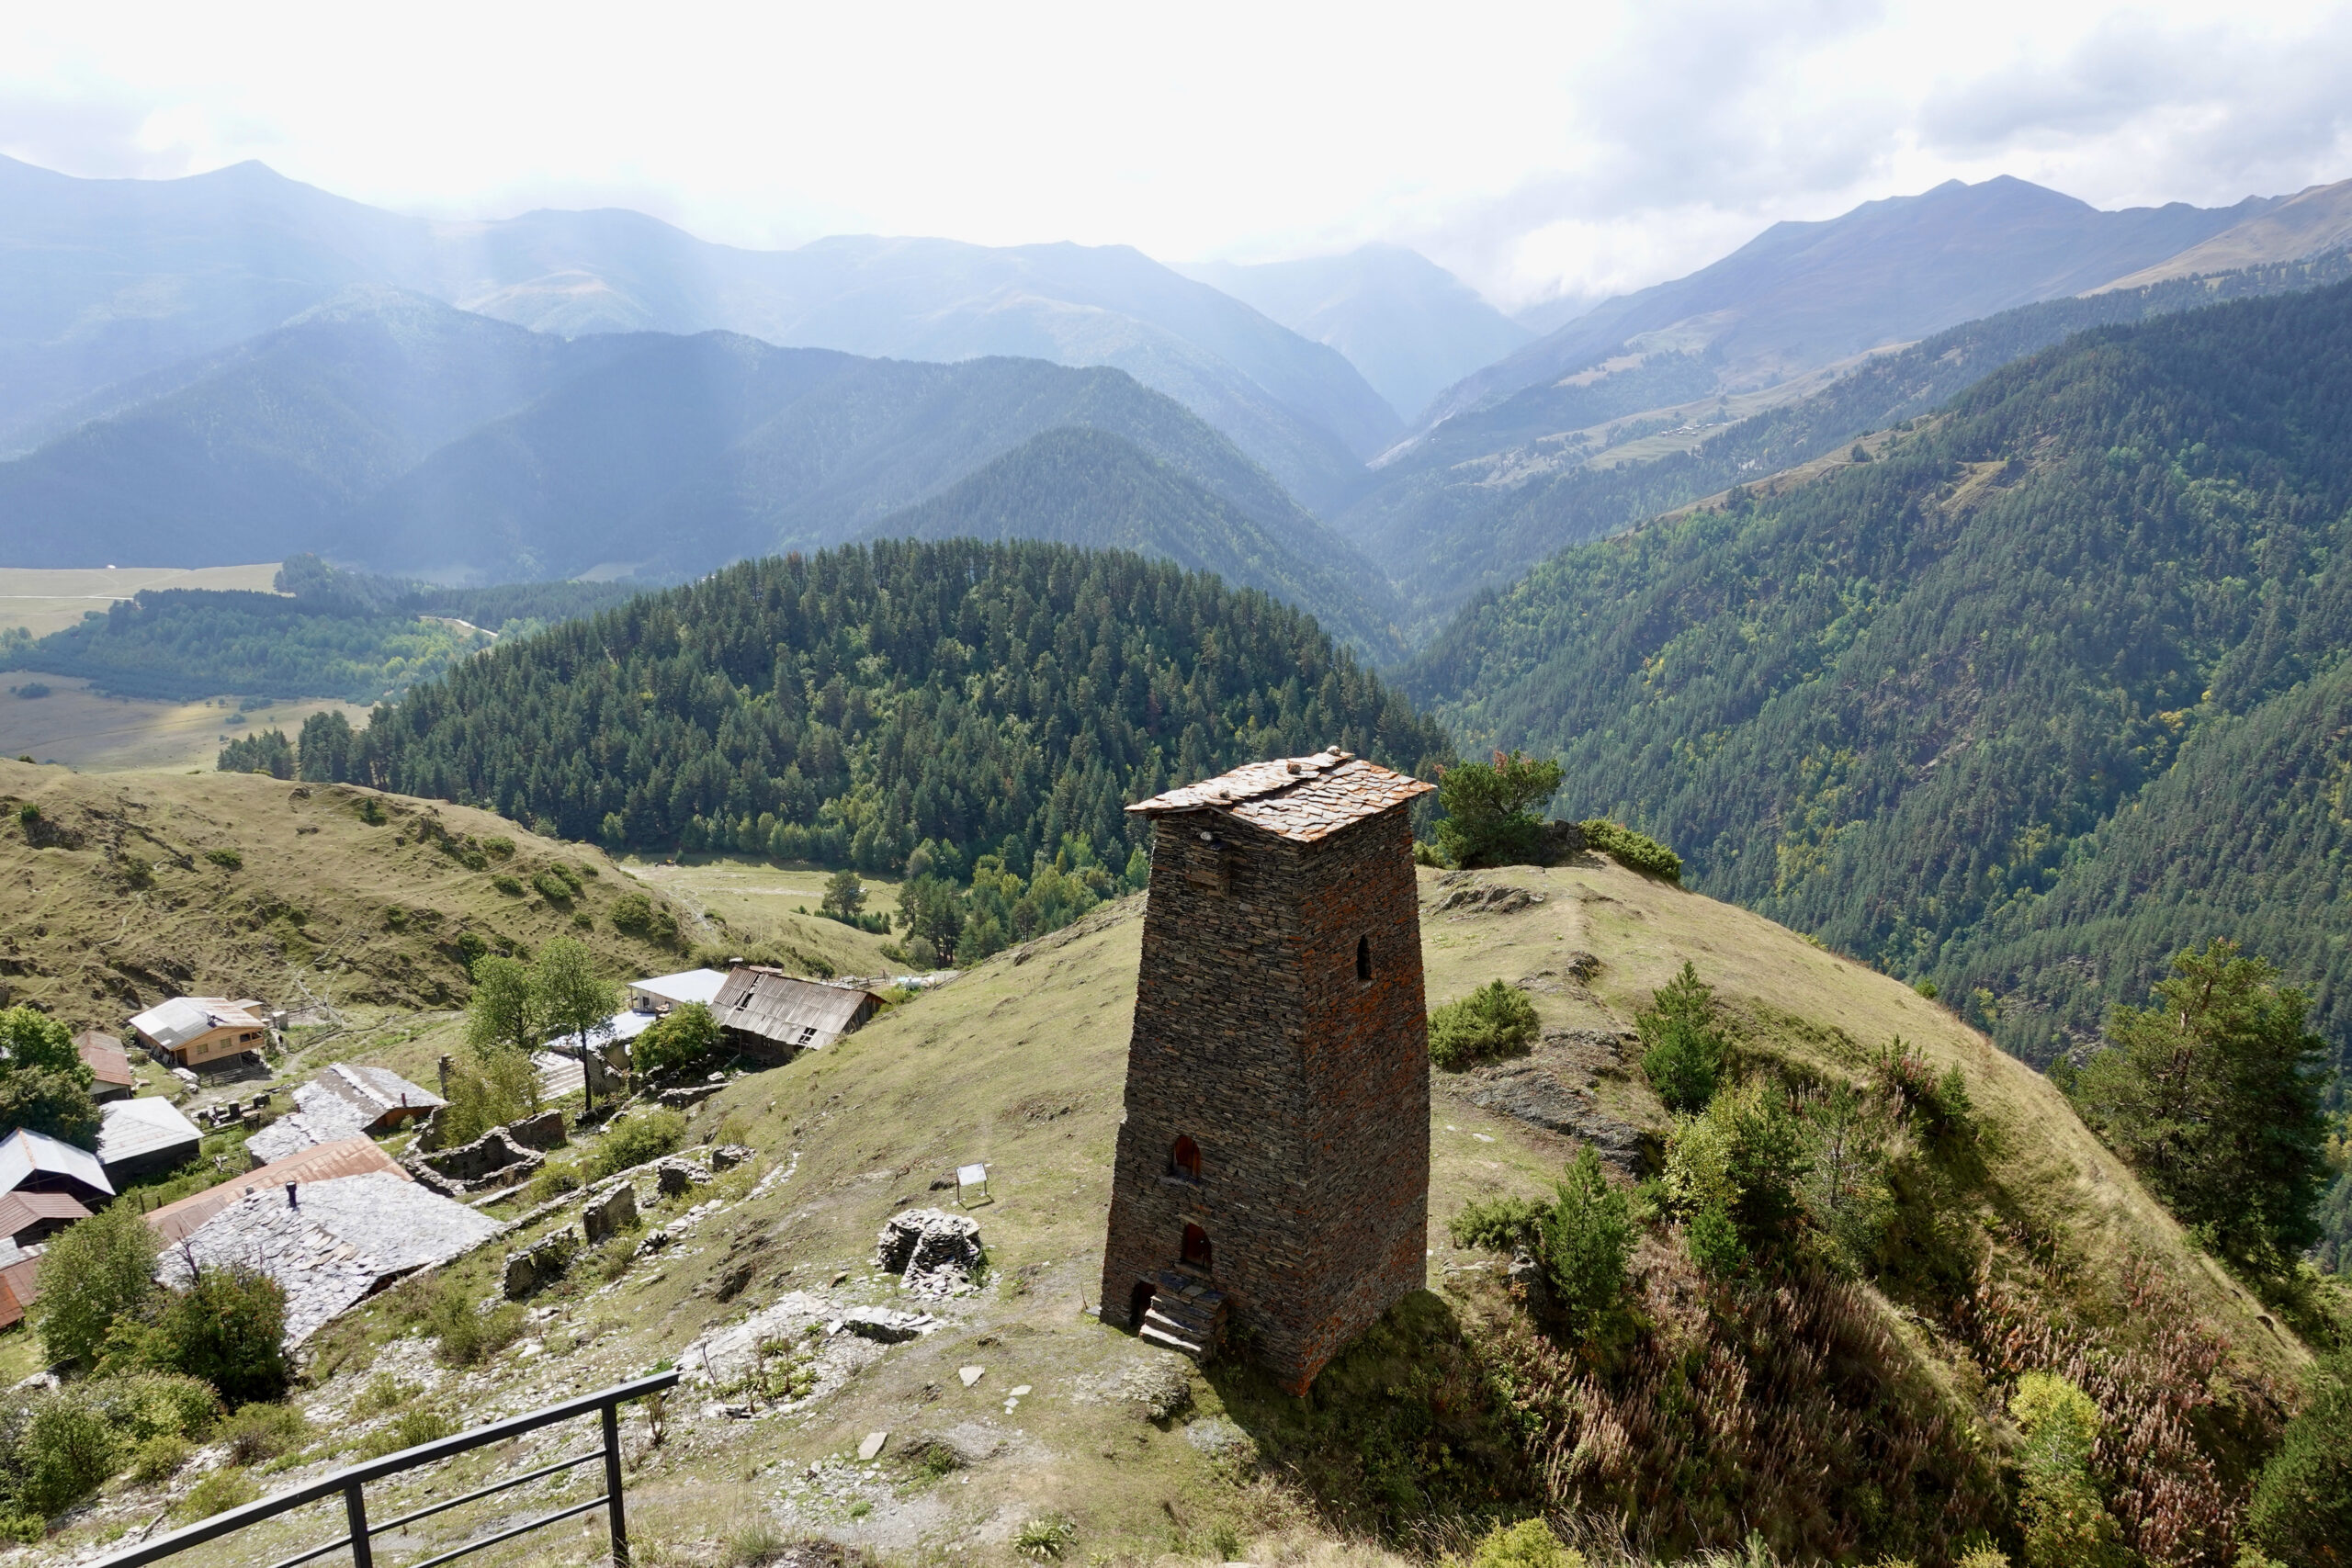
(2050, 690)
(848, 706)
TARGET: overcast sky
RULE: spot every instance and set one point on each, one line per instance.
(1534, 149)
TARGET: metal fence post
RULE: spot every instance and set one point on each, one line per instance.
(354, 1507)
(612, 1485)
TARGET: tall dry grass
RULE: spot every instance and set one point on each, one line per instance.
(2167, 1383)
(1786, 1411)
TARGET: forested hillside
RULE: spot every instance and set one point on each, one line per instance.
(850, 704)
(1486, 494)
(2050, 688)
(1076, 486)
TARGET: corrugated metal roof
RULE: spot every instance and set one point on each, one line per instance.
(25, 1154)
(132, 1129)
(327, 1162)
(173, 1023)
(105, 1057)
(21, 1211)
(788, 1009)
(686, 985)
(20, 1287)
(1304, 798)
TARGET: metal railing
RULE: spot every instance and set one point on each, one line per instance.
(352, 1481)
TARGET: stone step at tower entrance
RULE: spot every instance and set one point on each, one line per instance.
(1182, 1314)
(1272, 1168)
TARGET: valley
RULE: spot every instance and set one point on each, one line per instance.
(93, 731)
(1880, 714)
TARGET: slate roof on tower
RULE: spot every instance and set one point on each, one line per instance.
(1304, 798)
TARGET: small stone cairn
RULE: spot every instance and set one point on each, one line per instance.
(934, 1250)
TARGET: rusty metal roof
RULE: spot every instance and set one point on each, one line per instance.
(1304, 798)
(347, 1157)
(105, 1057)
(21, 1211)
(786, 1009)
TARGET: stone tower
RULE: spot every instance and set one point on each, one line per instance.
(1272, 1169)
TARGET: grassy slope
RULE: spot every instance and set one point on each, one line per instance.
(303, 918)
(86, 729)
(1019, 1065)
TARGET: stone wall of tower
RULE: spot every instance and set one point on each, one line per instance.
(1305, 1088)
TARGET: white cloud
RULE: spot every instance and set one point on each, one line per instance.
(1534, 148)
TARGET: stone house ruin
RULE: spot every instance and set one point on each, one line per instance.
(1273, 1168)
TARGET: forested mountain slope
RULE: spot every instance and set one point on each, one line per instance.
(1489, 494)
(104, 280)
(852, 704)
(2037, 696)
(1076, 486)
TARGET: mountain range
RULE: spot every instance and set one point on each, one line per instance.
(104, 280)
(1410, 325)
(1802, 295)
(237, 366)
(402, 434)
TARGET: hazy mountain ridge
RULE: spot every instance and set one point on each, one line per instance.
(1446, 532)
(1412, 327)
(390, 430)
(1804, 294)
(106, 280)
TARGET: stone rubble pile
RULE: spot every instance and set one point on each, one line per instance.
(935, 1251)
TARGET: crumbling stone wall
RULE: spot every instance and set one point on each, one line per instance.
(1305, 1087)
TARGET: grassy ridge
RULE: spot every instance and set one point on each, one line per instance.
(119, 891)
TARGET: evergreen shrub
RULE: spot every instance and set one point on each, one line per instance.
(1493, 1020)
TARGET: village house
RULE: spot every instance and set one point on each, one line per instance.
(202, 1031)
(35, 1162)
(772, 1016)
(109, 1065)
(28, 1219)
(139, 1137)
(176, 1221)
(662, 992)
(342, 1101)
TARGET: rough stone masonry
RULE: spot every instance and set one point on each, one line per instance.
(1276, 1143)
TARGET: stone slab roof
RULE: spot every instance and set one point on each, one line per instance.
(1304, 798)
(300, 1130)
(326, 1162)
(367, 1096)
(336, 1244)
